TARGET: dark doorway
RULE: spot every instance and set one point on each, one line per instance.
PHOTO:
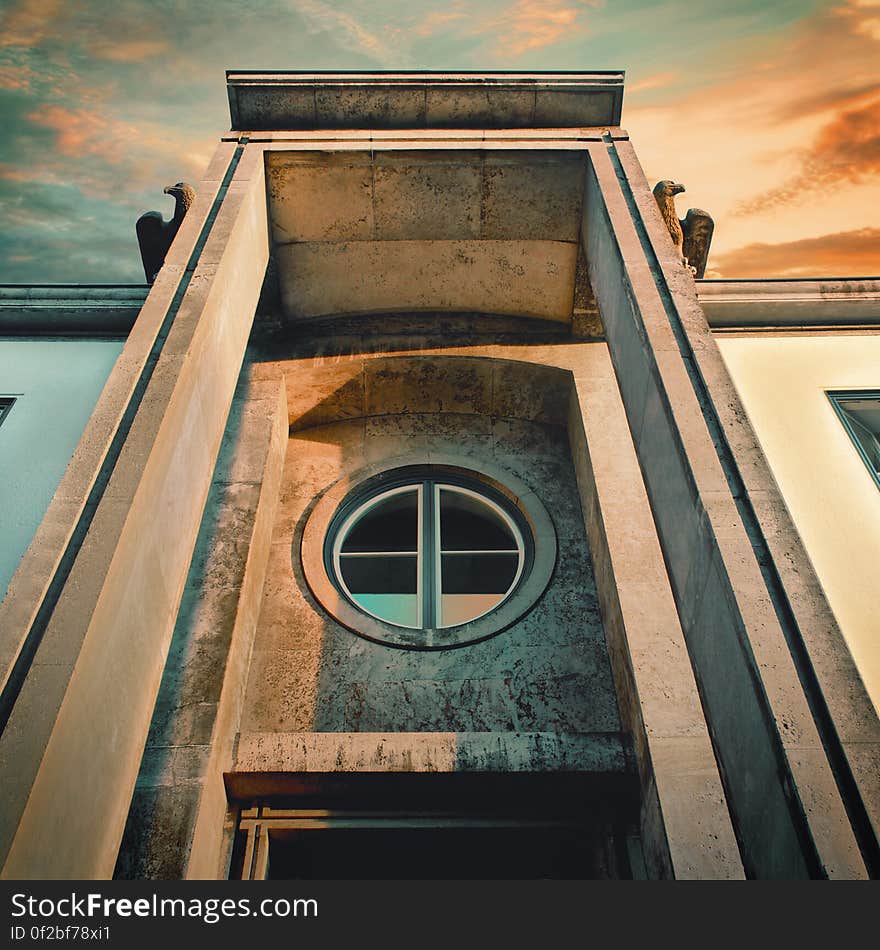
(512, 827)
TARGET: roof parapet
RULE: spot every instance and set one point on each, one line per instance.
(300, 100)
(63, 309)
(771, 303)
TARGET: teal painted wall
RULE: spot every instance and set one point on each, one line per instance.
(56, 384)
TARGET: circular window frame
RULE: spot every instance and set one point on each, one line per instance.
(500, 487)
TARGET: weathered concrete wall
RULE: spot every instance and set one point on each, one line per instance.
(686, 829)
(175, 824)
(409, 100)
(833, 565)
(549, 672)
(828, 490)
(790, 818)
(453, 230)
(318, 693)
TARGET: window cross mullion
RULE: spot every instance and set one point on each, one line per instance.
(428, 547)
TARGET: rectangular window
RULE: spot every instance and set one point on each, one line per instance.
(859, 411)
(5, 405)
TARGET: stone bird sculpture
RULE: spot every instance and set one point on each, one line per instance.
(693, 235)
(155, 234)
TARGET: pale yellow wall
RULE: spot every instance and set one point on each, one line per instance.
(832, 497)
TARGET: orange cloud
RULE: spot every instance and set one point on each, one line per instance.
(28, 22)
(785, 145)
(80, 132)
(14, 173)
(115, 156)
(437, 20)
(134, 51)
(847, 149)
(534, 24)
(847, 97)
(868, 25)
(15, 77)
(847, 253)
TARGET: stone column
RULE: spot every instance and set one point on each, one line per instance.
(98, 616)
(789, 815)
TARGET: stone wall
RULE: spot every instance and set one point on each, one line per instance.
(548, 673)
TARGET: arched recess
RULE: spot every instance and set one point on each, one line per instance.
(320, 394)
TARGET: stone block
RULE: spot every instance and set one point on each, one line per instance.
(157, 838)
(427, 201)
(351, 105)
(520, 278)
(477, 106)
(423, 384)
(534, 201)
(386, 436)
(325, 394)
(535, 392)
(555, 109)
(326, 201)
(430, 752)
(518, 438)
(701, 841)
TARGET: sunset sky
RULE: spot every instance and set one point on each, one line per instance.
(768, 112)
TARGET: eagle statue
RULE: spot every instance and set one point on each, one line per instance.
(155, 234)
(693, 235)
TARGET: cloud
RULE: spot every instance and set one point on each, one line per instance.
(530, 25)
(847, 97)
(28, 22)
(117, 99)
(777, 136)
(437, 20)
(55, 232)
(16, 78)
(869, 24)
(847, 149)
(509, 30)
(137, 151)
(838, 101)
(133, 51)
(657, 81)
(81, 132)
(15, 173)
(846, 253)
(347, 30)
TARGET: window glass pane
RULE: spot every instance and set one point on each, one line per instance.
(402, 609)
(468, 524)
(382, 574)
(390, 525)
(443, 570)
(459, 608)
(864, 419)
(478, 573)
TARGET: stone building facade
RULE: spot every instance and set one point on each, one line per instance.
(451, 296)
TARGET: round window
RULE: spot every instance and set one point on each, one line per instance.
(428, 557)
(427, 554)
